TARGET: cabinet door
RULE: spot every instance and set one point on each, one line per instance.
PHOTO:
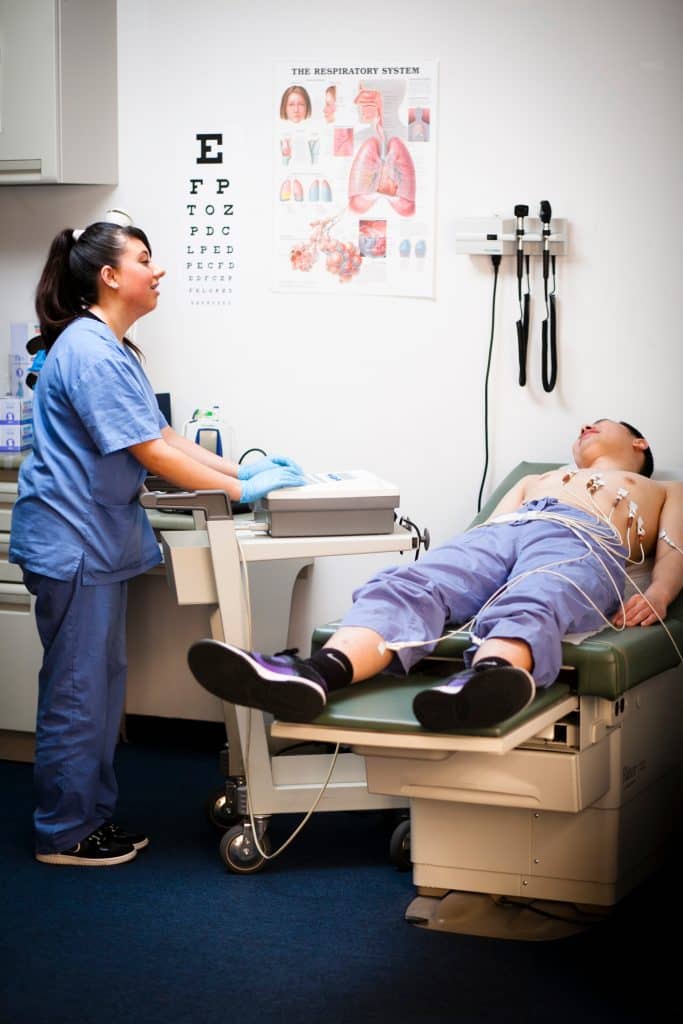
(28, 91)
(22, 655)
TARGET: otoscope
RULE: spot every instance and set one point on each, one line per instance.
(521, 212)
(548, 338)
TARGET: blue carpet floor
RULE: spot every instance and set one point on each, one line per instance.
(317, 936)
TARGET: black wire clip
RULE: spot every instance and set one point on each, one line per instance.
(422, 538)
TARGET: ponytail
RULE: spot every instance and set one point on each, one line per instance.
(57, 303)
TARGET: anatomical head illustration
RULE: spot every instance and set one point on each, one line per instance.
(295, 104)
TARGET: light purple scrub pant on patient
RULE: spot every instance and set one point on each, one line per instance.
(451, 584)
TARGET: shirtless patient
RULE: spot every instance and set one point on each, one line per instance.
(549, 561)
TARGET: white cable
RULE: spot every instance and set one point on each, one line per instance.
(244, 572)
(576, 527)
(401, 644)
(307, 816)
(667, 539)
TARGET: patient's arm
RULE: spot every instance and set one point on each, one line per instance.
(667, 573)
(514, 497)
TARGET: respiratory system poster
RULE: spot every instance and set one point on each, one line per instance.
(354, 179)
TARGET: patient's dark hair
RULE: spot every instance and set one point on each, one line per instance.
(69, 281)
(648, 461)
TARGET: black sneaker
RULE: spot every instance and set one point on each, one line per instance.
(475, 699)
(138, 840)
(285, 686)
(98, 850)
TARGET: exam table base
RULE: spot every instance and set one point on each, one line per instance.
(541, 840)
(550, 875)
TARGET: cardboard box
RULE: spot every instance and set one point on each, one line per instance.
(15, 437)
(15, 410)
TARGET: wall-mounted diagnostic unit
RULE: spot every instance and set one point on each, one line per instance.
(482, 236)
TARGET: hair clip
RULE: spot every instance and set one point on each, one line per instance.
(76, 233)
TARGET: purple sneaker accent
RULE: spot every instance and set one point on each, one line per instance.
(474, 699)
(284, 685)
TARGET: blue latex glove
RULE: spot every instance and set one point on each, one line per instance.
(38, 360)
(270, 480)
(249, 469)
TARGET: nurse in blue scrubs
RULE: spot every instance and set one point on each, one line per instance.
(79, 532)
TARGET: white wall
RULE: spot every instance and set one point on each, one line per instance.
(577, 103)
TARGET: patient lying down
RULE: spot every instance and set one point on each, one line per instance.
(551, 560)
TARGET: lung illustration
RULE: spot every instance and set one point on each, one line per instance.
(391, 175)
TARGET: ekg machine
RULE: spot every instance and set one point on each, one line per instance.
(329, 504)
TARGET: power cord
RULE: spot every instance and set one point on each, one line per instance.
(495, 261)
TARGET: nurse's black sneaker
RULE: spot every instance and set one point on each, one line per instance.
(99, 850)
(138, 840)
(476, 698)
(287, 687)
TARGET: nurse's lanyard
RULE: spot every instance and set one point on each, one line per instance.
(549, 325)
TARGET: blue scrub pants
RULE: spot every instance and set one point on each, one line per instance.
(80, 703)
(453, 582)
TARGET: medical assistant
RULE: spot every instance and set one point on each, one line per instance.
(79, 532)
(552, 582)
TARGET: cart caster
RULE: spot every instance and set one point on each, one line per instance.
(239, 851)
(220, 810)
(399, 846)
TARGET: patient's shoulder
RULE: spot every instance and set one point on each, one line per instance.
(673, 489)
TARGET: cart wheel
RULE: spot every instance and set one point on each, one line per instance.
(219, 811)
(239, 851)
(399, 846)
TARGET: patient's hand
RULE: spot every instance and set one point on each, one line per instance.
(642, 609)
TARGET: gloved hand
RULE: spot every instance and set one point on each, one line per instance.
(249, 469)
(270, 480)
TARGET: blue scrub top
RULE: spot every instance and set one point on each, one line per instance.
(78, 489)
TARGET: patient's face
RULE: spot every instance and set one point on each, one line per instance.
(604, 437)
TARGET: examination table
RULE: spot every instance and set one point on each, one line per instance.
(536, 828)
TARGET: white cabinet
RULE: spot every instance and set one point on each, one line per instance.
(58, 92)
(20, 645)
